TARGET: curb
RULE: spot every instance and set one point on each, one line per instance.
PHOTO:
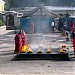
(2, 27)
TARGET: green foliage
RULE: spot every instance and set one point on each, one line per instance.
(1, 23)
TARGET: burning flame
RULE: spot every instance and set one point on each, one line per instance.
(49, 51)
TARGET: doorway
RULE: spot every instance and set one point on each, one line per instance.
(10, 20)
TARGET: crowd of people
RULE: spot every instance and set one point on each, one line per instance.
(62, 26)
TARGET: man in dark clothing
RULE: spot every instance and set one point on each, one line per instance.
(60, 26)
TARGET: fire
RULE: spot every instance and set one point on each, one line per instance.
(29, 50)
(39, 51)
(49, 51)
(61, 51)
(64, 46)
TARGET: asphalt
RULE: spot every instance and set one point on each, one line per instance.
(34, 67)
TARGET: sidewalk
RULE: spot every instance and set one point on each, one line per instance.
(3, 30)
(6, 40)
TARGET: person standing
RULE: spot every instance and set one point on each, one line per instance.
(60, 25)
(52, 26)
(23, 35)
(32, 27)
(71, 25)
(18, 42)
(73, 36)
(65, 24)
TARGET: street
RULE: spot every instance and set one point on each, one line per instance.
(8, 66)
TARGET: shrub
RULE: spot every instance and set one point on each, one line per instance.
(1, 23)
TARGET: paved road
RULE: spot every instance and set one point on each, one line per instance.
(31, 67)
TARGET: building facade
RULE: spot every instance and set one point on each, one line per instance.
(1, 5)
